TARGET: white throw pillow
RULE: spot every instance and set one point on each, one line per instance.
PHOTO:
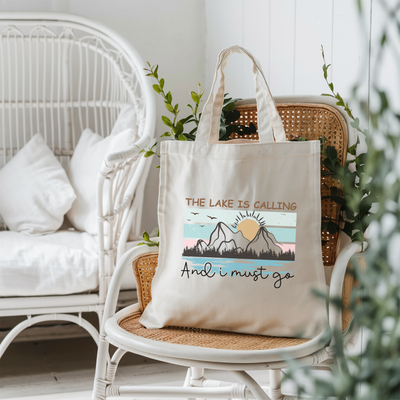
(83, 171)
(35, 191)
(126, 120)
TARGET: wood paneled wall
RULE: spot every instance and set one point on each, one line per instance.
(286, 37)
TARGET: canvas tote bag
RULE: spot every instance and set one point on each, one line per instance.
(240, 245)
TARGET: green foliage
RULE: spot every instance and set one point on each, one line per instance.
(178, 126)
(357, 195)
(340, 102)
(229, 115)
(148, 241)
(374, 372)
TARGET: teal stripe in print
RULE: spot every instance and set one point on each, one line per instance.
(195, 231)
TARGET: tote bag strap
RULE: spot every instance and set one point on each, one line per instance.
(268, 117)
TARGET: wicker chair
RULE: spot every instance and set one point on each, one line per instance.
(60, 74)
(200, 348)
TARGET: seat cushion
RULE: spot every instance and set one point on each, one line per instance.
(206, 338)
(64, 262)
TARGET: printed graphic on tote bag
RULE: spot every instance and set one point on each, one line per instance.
(238, 243)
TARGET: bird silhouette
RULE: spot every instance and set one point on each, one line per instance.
(211, 217)
(194, 213)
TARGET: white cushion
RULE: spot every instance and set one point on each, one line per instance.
(83, 171)
(126, 120)
(62, 263)
(35, 191)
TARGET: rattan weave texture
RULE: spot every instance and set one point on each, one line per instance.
(206, 338)
(144, 268)
(348, 285)
(311, 121)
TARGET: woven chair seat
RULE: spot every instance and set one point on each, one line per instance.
(206, 338)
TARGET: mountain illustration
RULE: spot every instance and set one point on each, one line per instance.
(222, 233)
(263, 242)
(223, 242)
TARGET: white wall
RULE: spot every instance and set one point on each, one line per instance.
(168, 33)
(286, 37)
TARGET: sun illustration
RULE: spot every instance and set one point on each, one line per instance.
(249, 224)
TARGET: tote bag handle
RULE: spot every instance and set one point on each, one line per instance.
(268, 117)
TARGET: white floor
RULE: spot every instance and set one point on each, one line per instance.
(52, 369)
(64, 369)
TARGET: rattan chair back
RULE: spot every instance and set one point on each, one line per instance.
(312, 122)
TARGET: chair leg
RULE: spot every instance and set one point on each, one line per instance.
(100, 317)
(187, 381)
(112, 365)
(252, 385)
(197, 373)
(47, 317)
(194, 373)
(275, 377)
(100, 380)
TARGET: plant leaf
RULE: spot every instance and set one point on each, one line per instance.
(331, 153)
(187, 120)
(229, 107)
(148, 153)
(232, 116)
(195, 97)
(332, 227)
(167, 121)
(146, 236)
(157, 88)
(355, 124)
(169, 107)
(178, 129)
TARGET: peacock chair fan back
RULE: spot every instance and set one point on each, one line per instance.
(61, 74)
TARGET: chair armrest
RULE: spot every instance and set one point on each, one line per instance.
(123, 171)
(115, 158)
(336, 287)
(116, 281)
(134, 191)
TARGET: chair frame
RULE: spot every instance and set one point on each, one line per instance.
(196, 385)
(199, 358)
(92, 72)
